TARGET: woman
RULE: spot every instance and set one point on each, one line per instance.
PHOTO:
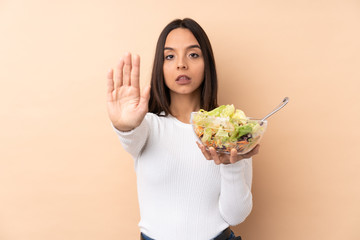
(181, 194)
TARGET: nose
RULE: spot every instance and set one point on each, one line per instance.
(181, 64)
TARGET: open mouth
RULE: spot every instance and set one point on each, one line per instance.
(183, 79)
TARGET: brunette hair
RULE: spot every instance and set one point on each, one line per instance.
(160, 93)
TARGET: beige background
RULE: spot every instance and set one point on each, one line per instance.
(63, 173)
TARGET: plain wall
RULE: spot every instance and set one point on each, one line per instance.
(63, 173)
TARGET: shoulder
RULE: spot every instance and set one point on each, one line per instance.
(152, 117)
(160, 123)
(154, 120)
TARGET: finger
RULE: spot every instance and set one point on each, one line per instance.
(118, 74)
(144, 98)
(214, 156)
(233, 156)
(135, 71)
(127, 69)
(201, 147)
(110, 84)
(206, 154)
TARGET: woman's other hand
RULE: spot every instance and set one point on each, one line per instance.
(125, 104)
(233, 157)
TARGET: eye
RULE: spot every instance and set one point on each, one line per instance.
(194, 55)
(169, 57)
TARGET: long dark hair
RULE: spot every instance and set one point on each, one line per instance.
(160, 93)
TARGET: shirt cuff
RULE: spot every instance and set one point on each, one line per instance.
(234, 167)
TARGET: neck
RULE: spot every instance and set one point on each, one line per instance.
(182, 105)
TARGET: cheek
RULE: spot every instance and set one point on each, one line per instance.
(166, 69)
(167, 74)
(202, 71)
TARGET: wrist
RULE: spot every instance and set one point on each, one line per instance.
(122, 128)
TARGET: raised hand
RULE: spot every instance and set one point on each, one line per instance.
(125, 104)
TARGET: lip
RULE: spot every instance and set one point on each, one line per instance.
(183, 79)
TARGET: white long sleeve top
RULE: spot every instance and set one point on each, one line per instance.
(181, 194)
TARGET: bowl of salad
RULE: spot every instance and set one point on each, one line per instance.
(225, 128)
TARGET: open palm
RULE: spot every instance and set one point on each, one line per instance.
(125, 104)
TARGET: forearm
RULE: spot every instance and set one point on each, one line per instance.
(235, 200)
(134, 140)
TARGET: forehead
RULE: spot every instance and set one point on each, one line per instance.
(180, 38)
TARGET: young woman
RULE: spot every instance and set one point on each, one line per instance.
(185, 192)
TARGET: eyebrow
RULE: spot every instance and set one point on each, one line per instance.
(189, 47)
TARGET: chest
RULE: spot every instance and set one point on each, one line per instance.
(172, 159)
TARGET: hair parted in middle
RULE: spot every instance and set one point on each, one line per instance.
(160, 101)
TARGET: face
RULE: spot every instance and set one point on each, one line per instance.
(183, 62)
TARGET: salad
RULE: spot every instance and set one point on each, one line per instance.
(225, 128)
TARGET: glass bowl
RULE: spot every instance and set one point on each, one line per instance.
(223, 134)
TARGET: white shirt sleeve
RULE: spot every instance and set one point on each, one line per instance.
(235, 202)
(133, 141)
